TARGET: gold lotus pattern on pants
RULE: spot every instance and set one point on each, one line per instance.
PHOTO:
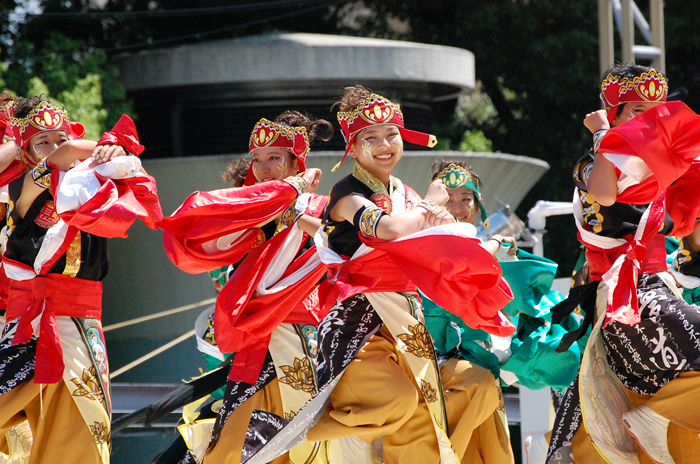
(429, 392)
(89, 386)
(299, 376)
(418, 341)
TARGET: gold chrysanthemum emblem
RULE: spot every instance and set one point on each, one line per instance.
(300, 376)
(418, 341)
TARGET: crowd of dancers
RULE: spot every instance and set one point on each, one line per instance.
(370, 325)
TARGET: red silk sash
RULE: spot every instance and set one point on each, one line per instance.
(47, 297)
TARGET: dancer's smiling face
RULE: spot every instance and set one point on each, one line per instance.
(273, 164)
(378, 149)
(462, 204)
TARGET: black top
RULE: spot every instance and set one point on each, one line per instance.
(616, 221)
(86, 258)
(343, 237)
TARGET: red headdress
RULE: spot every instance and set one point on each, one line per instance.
(375, 110)
(44, 117)
(268, 134)
(651, 86)
(5, 130)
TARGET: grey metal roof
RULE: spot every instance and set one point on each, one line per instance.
(285, 59)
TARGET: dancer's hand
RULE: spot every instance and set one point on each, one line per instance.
(312, 176)
(513, 248)
(596, 121)
(437, 217)
(438, 192)
(104, 153)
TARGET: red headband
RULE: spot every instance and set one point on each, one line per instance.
(44, 117)
(372, 111)
(268, 134)
(651, 86)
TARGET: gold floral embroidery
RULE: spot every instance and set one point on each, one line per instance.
(418, 341)
(89, 386)
(429, 392)
(300, 376)
(382, 196)
(289, 415)
(99, 432)
(73, 256)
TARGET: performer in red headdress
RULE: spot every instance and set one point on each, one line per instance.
(267, 312)
(53, 362)
(377, 368)
(645, 335)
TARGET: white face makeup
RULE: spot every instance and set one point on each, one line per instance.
(273, 164)
(41, 145)
(378, 149)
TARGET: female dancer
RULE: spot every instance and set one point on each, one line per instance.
(644, 331)
(262, 314)
(55, 256)
(377, 367)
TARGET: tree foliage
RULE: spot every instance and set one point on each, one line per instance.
(536, 60)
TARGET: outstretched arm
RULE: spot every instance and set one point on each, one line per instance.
(401, 225)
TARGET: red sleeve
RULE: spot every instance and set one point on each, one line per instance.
(207, 216)
(115, 207)
(683, 201)
(666, 137)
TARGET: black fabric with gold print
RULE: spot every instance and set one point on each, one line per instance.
(87, 257)
(616, 221)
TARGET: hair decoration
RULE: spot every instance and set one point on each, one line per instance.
(268, 134)
(650, 86)
(372, 111)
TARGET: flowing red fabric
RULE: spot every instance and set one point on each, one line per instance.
(47, 297)
(123, 134)
(207, 216)
(115, 206)
(12, 172)
(623, 305)
(372, 272)
(118, 202)
(457, 273)
(683, 201)
(244, 320)
(4, 288)
(666, 137)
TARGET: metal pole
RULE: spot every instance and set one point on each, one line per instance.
(606, 39)
(627, 32)
(656, 8)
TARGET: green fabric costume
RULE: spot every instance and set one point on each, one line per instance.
(533, 358)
